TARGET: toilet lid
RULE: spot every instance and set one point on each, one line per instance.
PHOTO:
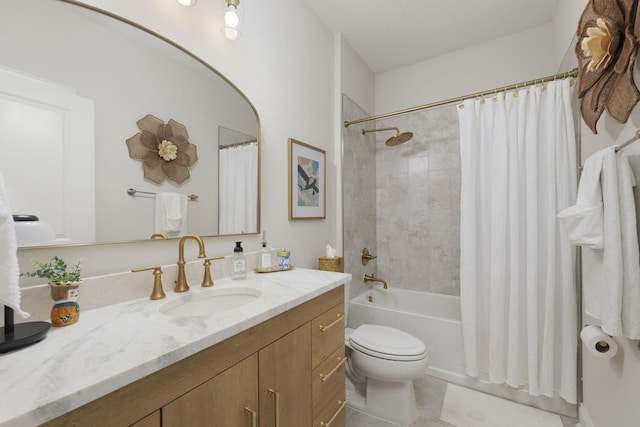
(387, 343)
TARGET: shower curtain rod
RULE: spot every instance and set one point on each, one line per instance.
(572, 73)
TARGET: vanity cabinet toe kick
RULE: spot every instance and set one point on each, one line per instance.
(286, 371)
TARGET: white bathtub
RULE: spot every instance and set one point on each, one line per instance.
(435, 319)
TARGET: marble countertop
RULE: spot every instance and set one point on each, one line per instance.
(115, 345)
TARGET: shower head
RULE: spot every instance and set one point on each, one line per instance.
(397, 139)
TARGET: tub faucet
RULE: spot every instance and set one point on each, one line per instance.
(181, 281)
(372, 278)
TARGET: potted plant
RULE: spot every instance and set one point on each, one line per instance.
(64, 285)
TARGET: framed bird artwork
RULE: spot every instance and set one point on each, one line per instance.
(307, 181)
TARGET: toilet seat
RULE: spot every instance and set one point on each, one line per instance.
(387, 343)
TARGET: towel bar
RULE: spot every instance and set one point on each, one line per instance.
(132, 192)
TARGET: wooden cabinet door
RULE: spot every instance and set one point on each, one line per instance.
(285, 380)
(151, 420)
(228, 399)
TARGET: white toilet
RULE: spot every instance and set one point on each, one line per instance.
(382, 363)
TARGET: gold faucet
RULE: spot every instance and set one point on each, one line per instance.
(372, 278)
(181, 281)
(159, 236)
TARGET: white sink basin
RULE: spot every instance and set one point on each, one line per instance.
(210, 302)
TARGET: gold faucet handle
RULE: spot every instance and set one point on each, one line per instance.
(207, 281)
(158, 292)
(366, 256)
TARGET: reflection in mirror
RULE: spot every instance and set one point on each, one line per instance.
(238, 165)
(73, 84)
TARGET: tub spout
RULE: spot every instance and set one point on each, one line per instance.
(372, 278)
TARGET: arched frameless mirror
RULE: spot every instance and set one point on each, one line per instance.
(74, 81)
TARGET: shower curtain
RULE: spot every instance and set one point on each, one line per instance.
(238, 189)
(518, 163)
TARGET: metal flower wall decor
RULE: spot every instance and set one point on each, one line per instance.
(164, 149)
(608, 34)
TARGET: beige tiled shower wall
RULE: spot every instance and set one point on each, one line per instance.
(403, 202)
(418, 202)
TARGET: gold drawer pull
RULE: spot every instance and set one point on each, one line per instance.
(342, 405)
(324, 328)
(341, 361)
(276, 399)
(254, 416)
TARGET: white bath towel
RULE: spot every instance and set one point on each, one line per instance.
(620, 293)
(604, 219)
(171, 213)
(9, 269)
(584, 221)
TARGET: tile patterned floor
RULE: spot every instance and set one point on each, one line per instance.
(431, 392)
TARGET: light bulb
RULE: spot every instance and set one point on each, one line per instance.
(230, 33)
(231, 17)
(188, 2)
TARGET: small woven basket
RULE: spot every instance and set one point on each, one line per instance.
(331, 264)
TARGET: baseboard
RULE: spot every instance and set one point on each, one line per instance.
(584, 417)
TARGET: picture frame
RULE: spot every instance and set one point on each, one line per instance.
(307, 181)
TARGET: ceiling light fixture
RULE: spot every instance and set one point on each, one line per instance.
(231, 17)
(231, 20)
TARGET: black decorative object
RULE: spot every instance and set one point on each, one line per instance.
(13, 337)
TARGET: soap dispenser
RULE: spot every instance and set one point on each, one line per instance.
(265, 254)
(239, 265)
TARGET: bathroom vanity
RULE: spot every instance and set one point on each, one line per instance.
(275, 361)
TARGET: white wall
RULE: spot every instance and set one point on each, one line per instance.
(357, 81)
(284, 63)
(520, 57)
(527, 55)
(565, 25)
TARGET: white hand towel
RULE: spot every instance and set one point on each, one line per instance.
(584, 221)
(9, 269)
(171, 213)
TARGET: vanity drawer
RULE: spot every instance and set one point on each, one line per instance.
(334, 414)
(328, 379)
(327, 333)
